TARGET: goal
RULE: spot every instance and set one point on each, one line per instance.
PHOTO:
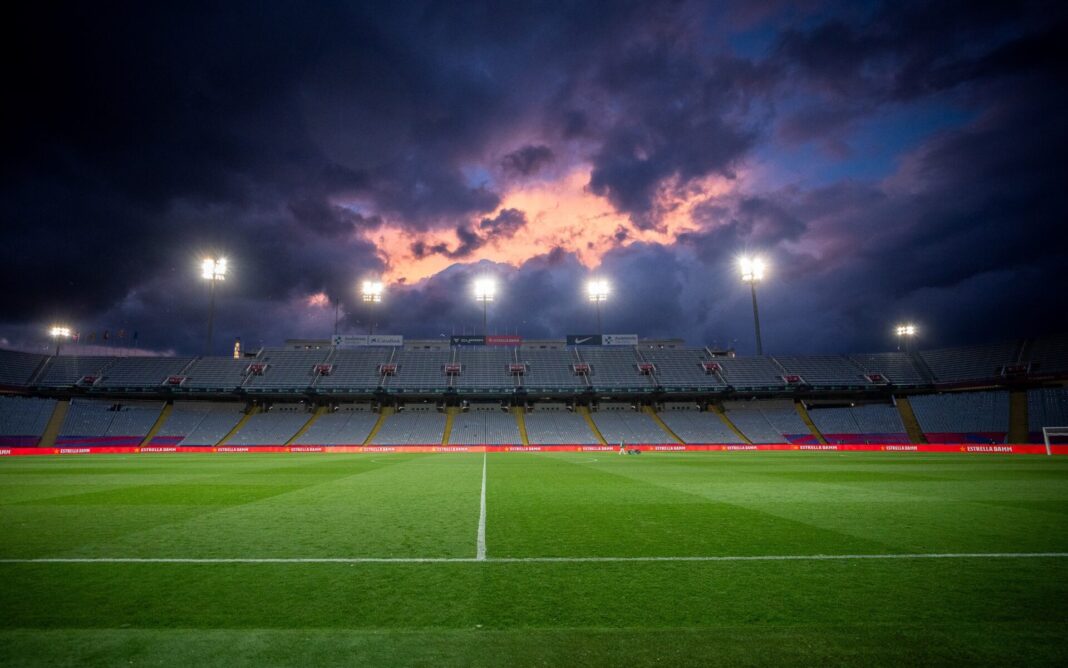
(1051, 433)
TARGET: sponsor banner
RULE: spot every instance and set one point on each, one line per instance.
(503, 340)
(467, 340)
(357, 340)
(385, 340)
(619, 340)
(583, 339)
(964, 448)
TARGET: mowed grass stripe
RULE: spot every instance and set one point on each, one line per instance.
(403, 506)
(559, 506)
(929, 506)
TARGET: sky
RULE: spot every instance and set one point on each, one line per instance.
(891, 162)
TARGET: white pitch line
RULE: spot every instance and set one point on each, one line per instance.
(480, 547)
(525, 560)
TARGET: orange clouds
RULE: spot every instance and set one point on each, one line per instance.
(561, 213)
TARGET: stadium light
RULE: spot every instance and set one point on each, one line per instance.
(485, 291)
(371, 293)
(597, 291)
(214, 270)
(59, 333)
(906, 331)
(753, 269)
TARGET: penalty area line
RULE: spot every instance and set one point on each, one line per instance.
(525, 560)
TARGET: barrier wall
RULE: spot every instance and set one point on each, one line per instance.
(964, 448)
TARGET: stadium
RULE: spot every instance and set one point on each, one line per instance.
(510, 333)
(465, 500)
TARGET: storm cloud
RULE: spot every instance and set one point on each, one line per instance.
(891, 160)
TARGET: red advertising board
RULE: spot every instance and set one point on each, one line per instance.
(962, 448)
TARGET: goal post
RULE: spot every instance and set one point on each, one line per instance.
(1052, 432)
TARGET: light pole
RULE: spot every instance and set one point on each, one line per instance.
(58, 334)
(906, 331)
(485, 290)
(597, 291)
(214, 270)
(752, 273)
(371, 293)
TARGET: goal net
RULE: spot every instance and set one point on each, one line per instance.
(1054, 435)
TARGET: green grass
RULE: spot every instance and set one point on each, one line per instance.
(869, 612)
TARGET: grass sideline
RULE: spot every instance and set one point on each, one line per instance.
(876, 612)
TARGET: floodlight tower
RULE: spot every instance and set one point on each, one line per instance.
(906, 331)
(485, 291)
(59, 333)
(371, 294)
(214, 270)
(752, 273)
(597, 291)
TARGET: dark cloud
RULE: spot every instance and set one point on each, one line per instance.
(138, 139)
(528, 160)
(504, 224)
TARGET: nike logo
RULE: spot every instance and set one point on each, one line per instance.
(578, 340)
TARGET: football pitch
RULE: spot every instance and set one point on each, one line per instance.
(534, 559)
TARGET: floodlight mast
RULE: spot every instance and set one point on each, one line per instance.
(371, 294)
(597, 291)
(485, 291)
(214, 270)
(59, 333)
(752, 269)
(906, 331)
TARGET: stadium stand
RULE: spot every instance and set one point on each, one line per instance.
(972, 363)
(273, 427)
(23, 420)
(66, 371)
(868, 423)
(1046, 407)
(198, 423)
(413, 426)
(142, 373)
(773, 421)
(897, 368)
(485, 425)
(215, 374)
(355, 370)
(624, 425)
(697, 426)
(824, 371)
(17, 369)
(751, 373)
(614, 369)
(1048, 356)
(556, 425)
(485, 369)
(103, 423)
(551, 371)
(285, 370)
(679, 369)
(419, 371)
(963, 417)
(348, 425)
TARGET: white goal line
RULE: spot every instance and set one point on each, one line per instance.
(525, 560)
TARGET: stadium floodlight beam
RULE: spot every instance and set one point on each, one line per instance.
(597, 291)
(371, 293)
(485, 291)
(752, 273)
(214, 270)
(906, 331)
(59, 333)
